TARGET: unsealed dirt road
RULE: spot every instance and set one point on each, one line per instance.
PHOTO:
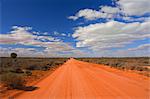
(82, 80)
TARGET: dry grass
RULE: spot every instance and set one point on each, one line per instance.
(33, 69)
(139, 65)
(27, 70)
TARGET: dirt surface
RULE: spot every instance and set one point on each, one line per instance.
(82, 80)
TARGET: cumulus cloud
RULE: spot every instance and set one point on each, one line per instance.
(25, 52)
(124, 8)
(27, 37)
(141, 47)
(91, 14)
(18, 34)
(109, 9)
(134, 7)
(103, 37)
(59, 34)
(47, 52)
(87, 14)
(112, 34)
(46, 38)
(139, 51)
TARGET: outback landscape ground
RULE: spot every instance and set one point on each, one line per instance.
(80, 78)
(75, 49)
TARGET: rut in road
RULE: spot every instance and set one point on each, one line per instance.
(81, 80)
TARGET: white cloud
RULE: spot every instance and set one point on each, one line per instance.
(139, 51)
(108, 9)
(91, 14)
(44, 38)
(19, 34)
(33, 52)
(22, 35)
(87, 14)
(114, 34)
(45, 33)
(141, 47)
(25, 52)
(135, 7)
(109, 35)
(25, 36)
(73, 17)
(127, 8)
(100, 38)
(59, 34)
(63, 34)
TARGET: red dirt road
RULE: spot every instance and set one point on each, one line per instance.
(82, 80)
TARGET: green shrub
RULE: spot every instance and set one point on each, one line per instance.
(140, 69)
(34, 67)
(28, 72)
(45, 68)
(122, 67)
(13, 55)
(16, 70)
(132, 67)
(57, 63)
(12, 80)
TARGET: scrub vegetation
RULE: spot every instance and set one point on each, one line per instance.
(18, 72)
(140, 65)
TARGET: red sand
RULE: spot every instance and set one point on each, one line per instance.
(82, 80)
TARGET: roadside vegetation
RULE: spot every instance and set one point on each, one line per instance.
(13, 81)
(16, 73)
(140, 65)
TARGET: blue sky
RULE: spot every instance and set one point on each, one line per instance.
(78, 28)
(43, 15)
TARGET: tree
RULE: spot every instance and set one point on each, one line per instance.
(15, 64)
(13, 55)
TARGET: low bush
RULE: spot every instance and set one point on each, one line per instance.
(132, 68)
(12, 80)
(57, 63)
(33, 67)
(16, 70)
(122, 68)
(28, 72)
(141, 69)
(45, 68)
